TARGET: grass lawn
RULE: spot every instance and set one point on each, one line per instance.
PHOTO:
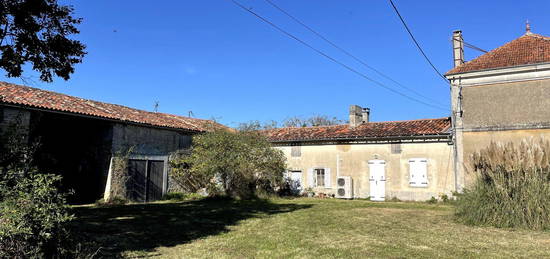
(304, 228)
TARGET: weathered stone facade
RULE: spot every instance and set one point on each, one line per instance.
(352, 160)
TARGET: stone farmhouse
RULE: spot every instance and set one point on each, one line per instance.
(501, 96)
(80, 138)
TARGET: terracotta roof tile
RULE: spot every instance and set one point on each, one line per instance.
(33, 97)
(527, 49)
(366, 130)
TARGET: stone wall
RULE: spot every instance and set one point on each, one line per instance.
(352, 160)
(13, 116)
(524, 103)
(150, 144)
(148, 141)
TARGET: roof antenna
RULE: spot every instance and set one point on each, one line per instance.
(156, 106)
(191, 114)
(528, 28)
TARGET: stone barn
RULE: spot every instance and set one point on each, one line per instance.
(80, 139)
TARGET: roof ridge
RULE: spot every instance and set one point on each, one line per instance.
(487, 53)
(509, 50)
(94, 101)
(372, 122)
(50, 100)
(536, 35)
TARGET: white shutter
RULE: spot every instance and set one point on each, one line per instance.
(412, 172)
(418, 172)
(423, 172)
(327, 178)
(310, 178)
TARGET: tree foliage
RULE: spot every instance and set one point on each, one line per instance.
(313, 121)
(236, 164)
(37, 31)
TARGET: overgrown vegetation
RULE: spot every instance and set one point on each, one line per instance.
(512, 187)
(33, 214)
(235, 164)
(119, 178)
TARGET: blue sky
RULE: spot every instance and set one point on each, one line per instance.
(218, 61)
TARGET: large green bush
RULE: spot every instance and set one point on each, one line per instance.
(33, 214)
(237, 164)
(512, 186)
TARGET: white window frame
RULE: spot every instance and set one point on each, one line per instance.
(312, 177)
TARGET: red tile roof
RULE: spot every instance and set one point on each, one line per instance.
(527, 49)
(37, 98)
(366, 130)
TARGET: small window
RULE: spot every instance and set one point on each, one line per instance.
(295, 151)
(396, 148)
(320, 177)
(418, 172)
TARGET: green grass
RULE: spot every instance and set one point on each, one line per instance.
(303, 228)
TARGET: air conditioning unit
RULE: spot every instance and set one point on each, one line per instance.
(344, 187)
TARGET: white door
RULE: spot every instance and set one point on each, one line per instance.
(377, 180)
(296, 181)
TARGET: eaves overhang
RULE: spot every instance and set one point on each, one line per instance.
(81, 115)
(431, 138)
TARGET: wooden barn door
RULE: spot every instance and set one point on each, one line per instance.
(137, 179)
(155, 180)
(146, 178)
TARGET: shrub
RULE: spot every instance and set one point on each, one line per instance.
(512, 186)
(444, 198)
(234, 164)
(33, 214)
(432, 200)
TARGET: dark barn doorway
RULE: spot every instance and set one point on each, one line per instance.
(146, 178)
(77, 148)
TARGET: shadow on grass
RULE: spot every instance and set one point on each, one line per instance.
(143, 227)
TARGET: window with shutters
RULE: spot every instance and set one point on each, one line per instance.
(418, 172)
(320, 177)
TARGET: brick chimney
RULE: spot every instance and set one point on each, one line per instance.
(458, 48)
(358, 115)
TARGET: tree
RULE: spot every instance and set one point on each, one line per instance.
(257, 125)
(37, 31)
(313, 121)
(236, 164)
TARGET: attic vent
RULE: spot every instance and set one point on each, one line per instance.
(396, 148)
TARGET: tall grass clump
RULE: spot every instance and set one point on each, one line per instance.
(511, 188)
